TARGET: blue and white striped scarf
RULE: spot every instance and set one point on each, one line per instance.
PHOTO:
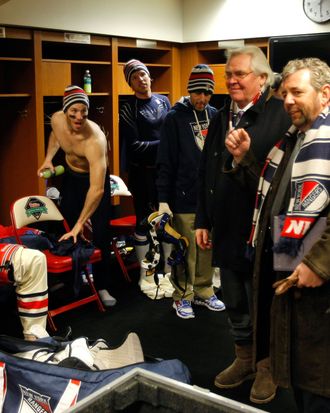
(310, 184)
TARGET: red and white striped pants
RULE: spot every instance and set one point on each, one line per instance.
(30, 278)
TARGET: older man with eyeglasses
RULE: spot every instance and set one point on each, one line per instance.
(225, 207)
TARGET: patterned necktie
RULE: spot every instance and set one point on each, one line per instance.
(237, 117)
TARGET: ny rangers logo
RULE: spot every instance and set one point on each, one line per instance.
(311, 196)
(33, 402)
(200, 131)
(35, 207)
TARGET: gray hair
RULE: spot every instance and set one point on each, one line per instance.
(259, 63)
(319, 70)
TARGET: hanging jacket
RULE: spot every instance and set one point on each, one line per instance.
(80, 252)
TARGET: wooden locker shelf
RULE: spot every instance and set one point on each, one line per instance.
(37, 65)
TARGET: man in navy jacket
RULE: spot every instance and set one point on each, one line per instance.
(182, 139)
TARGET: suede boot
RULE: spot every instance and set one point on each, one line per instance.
(239, 371)
(263, 389)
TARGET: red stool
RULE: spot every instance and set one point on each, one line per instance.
(123, 226)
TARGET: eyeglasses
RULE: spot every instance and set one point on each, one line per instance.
(237, 75)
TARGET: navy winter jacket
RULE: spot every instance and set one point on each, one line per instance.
(179, 153)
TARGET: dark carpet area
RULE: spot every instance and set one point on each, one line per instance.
(203, 344)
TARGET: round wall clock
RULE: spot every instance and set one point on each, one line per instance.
(317, 10)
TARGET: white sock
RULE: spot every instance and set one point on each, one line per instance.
(106, 298)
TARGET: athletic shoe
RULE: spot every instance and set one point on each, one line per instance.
(183, 309)
(212, 303)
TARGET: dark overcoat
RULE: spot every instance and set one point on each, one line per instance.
(225, 207)
(300, 318)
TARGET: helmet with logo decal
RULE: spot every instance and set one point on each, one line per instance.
(160, 230)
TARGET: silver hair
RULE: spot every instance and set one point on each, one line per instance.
(319, 70)
(259, 63)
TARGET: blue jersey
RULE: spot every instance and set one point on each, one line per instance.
(140, 123)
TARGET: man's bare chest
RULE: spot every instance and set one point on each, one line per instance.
(73, 145)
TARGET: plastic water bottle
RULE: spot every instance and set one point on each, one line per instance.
(87, 82)
(48, 173)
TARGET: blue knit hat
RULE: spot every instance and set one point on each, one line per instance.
(74, 94)
(132, 66)
(201, 79)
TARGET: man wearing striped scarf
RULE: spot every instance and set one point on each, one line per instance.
(294, 184)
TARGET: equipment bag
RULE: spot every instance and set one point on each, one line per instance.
(28, 385)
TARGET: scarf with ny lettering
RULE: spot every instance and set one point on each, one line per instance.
(309, 187)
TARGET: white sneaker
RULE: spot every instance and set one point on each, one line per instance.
(183, 309)
(213, 303)
(106, 298)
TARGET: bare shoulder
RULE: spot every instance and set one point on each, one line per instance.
(96, 131)
(57, 117)
(95, 127)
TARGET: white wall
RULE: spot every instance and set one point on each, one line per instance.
(145, 19)
(242, 19)
(171, 20)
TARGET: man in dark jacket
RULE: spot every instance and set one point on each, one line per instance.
(295, 185)
(225, 207)
(182, 139)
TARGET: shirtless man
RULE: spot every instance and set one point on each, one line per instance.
(85, 191)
